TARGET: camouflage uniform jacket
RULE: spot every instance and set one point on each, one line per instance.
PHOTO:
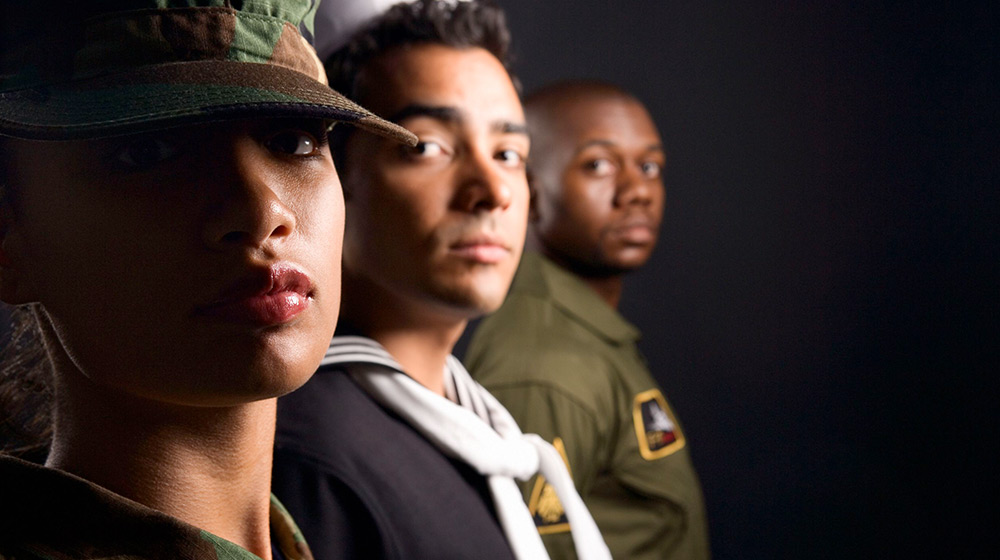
(49, 514)
(566, 366)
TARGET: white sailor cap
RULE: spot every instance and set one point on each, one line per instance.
(338, 20)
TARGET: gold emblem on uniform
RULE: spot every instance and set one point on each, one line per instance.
(655, 425)
(544, 505)
(549, 507)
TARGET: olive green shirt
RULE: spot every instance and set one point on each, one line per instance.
(566, 365)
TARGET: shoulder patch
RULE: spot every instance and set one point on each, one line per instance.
(655, 425)
(544, 505)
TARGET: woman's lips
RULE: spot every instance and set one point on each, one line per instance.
(270, 296)
(263, 310)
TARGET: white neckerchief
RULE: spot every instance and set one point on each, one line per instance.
(475, 428)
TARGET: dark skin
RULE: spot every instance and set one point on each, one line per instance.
(596, 173)
(119, 246)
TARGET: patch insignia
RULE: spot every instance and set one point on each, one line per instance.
(544, 505)
(655, 425)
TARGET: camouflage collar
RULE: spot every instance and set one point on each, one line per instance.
(47, 513)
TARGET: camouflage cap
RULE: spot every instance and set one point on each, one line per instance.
(94, 68)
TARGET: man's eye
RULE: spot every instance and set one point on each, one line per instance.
(651, 169)
(426, 149)
(145, 152)
(600, 167)
(293, 143)
(510, 158)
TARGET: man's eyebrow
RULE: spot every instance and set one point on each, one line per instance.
(610, 144)
(510, 127)
(441, 113)
(453, 115)
(595, 142)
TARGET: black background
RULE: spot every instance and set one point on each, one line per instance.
(821, 309)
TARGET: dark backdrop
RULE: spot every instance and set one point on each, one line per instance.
(821, 307)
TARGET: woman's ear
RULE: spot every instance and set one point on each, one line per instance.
(12, 290)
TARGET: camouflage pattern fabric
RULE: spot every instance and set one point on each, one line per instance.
(114, 67)
(49, 514)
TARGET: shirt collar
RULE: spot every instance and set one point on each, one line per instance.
(350, 348)
(346, 349)
(94, 519)
(574, 297)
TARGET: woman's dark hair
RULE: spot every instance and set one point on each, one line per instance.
(25, 373)
(25, 389)
(452, 23)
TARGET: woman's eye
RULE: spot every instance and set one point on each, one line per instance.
(600, 167)
(145, 152)
(651, 169)
(510, 158)
(293, 143)
(426, 149)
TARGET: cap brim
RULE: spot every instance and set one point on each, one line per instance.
(176, 94)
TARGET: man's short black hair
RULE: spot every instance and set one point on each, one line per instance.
(453, 23)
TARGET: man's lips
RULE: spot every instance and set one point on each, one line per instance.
(637, 231)
(483, 249)
(265, 297)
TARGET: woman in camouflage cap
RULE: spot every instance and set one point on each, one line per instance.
(170, 223)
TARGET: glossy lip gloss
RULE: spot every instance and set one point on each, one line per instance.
(271, 296)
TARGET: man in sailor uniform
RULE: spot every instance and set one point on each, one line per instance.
(392, 450)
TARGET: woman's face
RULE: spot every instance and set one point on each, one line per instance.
(199, 265)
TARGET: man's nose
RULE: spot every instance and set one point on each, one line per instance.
(484, 186)
(634, 187)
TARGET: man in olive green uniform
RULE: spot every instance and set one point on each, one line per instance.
(561, 358)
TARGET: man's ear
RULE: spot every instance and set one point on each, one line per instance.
(532, 198)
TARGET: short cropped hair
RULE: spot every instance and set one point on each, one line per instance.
(452, 23)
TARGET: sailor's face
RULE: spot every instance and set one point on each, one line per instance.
(442, 222)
